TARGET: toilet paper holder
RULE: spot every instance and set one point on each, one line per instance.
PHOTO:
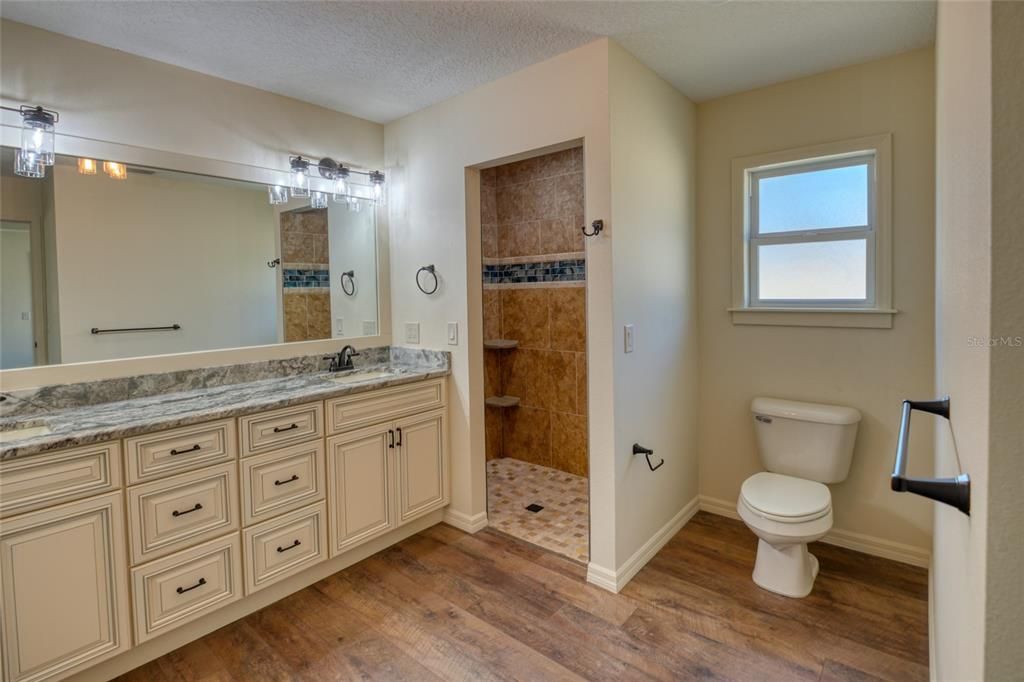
(647, 452)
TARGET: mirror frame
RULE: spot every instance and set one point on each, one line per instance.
(69, 145)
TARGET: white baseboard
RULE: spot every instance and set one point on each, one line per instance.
(465, 522)
(614, 581)
(868, 544)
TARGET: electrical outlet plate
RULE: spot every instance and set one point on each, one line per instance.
(453, 333)
(412, 332)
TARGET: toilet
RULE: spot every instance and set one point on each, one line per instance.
(803, 446)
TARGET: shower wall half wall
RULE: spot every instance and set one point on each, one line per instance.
(534, 273)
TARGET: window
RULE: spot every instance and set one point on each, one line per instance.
(813, 236)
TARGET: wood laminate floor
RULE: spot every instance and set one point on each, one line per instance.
(447, 605)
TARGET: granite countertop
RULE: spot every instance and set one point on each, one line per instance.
(81, 425)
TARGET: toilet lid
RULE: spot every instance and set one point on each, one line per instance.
(785, 498)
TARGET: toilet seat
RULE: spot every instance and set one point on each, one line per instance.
(785, 499)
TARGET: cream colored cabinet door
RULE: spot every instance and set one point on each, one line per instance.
(65, 599)
(358, 486)
(422, 474)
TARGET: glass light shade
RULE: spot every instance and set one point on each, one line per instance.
(318, 199)
(117, 171)
(340, 188)
(87, 166)
(37, 135)
(354, 205)
(28, 165)
(300, 177)
(379, 195)
(278, 194)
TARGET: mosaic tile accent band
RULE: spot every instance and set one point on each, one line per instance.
(573, 270)
(306, 278)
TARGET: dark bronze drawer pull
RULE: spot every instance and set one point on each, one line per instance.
(195, 447)
(183, 590)
(399, 443)
(294, 477)
(282, 429)
(291, 546)
(187, 511)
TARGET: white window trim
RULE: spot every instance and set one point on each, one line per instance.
(877, 311)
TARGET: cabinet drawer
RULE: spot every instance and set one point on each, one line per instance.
(47, 479)
(365, 409)
(182, 587)
(176, 450)
(281, 481)
(284, 546)
(279, 428)
(174, 513)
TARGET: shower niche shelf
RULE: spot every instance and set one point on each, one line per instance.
(501, 344)
(502, 401)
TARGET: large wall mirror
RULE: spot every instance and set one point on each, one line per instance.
(103, 261)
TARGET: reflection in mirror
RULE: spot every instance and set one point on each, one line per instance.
(105, 260)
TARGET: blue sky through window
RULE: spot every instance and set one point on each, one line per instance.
(830, 198)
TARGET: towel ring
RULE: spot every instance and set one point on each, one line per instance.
(596, 228)
(429, 269)
(350, 278)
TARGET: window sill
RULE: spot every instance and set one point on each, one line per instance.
(866, 318)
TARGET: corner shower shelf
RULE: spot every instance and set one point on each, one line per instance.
(502, 401)
(501, 344)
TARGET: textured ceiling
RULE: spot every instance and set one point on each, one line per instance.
(382, 60)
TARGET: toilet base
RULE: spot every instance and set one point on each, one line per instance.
(788, 570)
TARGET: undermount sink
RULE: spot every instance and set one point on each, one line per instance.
(360, 377)
(18, 432)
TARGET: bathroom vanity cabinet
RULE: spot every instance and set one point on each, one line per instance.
(94, 563)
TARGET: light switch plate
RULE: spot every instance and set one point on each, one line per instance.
(412, 332)
(453, 333)
(628, 338)
(339, 326)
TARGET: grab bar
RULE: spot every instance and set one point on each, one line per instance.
(956, 491)
(124, 330)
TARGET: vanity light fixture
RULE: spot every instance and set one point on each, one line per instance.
(37, 140)
(278, 194)
(342, 189)
(318, 199)
(300, 177)
(87, 166)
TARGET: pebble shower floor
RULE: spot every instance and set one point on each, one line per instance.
(562, 526)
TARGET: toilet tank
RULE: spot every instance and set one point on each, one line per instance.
(806, 440)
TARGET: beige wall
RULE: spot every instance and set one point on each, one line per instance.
(160, 115)
(1004, 655)
(869, 369)
(654, 273)
(977, 593)
(434, 214)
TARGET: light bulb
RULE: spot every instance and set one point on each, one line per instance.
(37, 134)
(300, 177)
(87, 166)
(116, 171)
(28, 165)
(278, 194)
(341, 184)
(377, 179)
(318, 199)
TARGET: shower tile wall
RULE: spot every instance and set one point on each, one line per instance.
(531, 212)
(305, 258)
